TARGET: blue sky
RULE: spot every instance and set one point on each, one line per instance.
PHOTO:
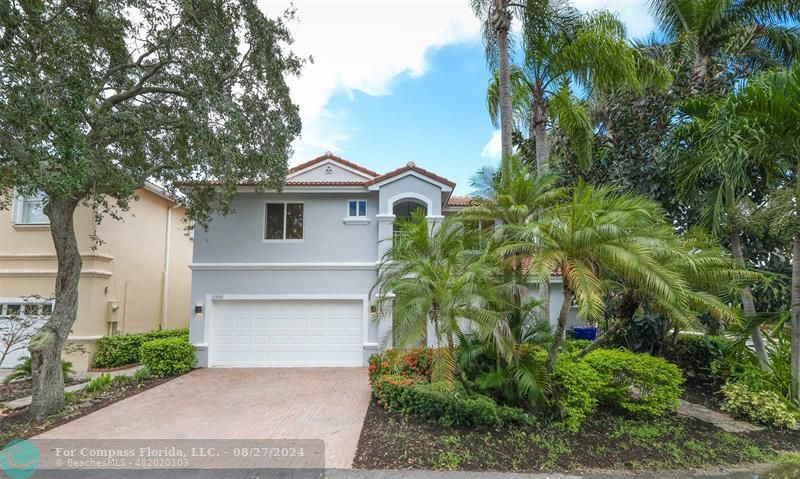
(397, 81)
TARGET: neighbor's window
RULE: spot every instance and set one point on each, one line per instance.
(357, 208)
(30, 210)
(284, 221)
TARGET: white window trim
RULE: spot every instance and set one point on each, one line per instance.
(285, 210)
(16, 215)
(24, 302)
(357, 220)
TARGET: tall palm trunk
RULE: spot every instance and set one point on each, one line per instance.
(738, 256)
(558, 338)
(538, 125)
(46, 345)
(501, 23)
(747, 300)
(795, 311)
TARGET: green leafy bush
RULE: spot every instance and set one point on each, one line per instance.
(168, 356)
(451, 408)
(763, 407)
(695, 353)
(142, 373)
(637, 383)
(123, 350)
(100, 383)
(400, 381)
(575, 386)
(24, 370)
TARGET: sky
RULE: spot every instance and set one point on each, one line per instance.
(399, 81)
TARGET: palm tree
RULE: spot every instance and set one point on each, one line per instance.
(496, 16)
(714, 170)
(517, 201)
(562, 50)
(597, 233)
(706, 276)
(712, 37)
(439, 277)
(768, 104)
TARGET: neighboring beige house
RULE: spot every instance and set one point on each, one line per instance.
(137, 280)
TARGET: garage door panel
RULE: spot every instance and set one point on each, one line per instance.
(287, 333)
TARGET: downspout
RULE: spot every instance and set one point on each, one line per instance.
(165, 273)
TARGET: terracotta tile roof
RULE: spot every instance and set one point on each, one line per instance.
(526, 263)
(410, 166)
(459, 201)
(330, 156)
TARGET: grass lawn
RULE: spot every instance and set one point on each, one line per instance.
(606, 441)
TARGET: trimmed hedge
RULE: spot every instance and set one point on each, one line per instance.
(575, 387)
(637, 383)
(167, 356)
(123, 350)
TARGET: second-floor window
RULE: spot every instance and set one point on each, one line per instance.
(283, 221)
(357, 208)
(30, 210)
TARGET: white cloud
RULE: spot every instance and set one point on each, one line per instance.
(634, 13)
(493, 147)
(362, 46)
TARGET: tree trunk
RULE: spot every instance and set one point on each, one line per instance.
(747, 297)
(602, 340)
(501, 22)
(538, 125)
(795, 386)
(46, 345)
(538, 120)
(560, 328)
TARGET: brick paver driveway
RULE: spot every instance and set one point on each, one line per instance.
(265, 403)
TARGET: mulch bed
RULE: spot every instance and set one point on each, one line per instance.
(22, 388)
(606, 441)
(19, 424)
(703, 391)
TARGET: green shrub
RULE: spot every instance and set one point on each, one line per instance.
(168, 356)
(575, 386)
(123, 350)
(637, 383)
(401, 383)
(763, 407)
(695, 353)
(24, 370)
(575, 345)
(100, 383)
(142, 373)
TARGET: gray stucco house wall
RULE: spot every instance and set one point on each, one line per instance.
(304, 300)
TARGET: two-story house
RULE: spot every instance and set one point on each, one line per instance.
(285, 280)
(136, 280)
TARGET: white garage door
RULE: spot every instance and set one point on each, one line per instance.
(286, 333)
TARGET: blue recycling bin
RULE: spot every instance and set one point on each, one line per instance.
(584, 333)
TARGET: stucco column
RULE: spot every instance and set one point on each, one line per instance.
(385, 323)
(385, 233)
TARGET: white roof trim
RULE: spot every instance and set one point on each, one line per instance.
(329, 161)
(307, 189)
(444, 187)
